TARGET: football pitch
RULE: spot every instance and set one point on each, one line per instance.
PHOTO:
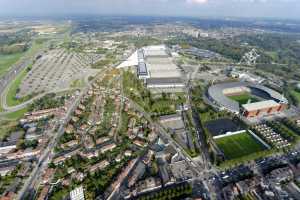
(244, 98)
(239, 145)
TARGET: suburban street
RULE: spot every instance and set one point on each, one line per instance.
(48, 153)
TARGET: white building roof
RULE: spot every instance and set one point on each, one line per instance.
(77, 194)
(131, 61)
(260, 105)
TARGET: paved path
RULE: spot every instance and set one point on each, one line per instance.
(9, 109)
(48, 154)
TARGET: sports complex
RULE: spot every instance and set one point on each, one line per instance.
(239, 144)
(247, 99)
(232, 141)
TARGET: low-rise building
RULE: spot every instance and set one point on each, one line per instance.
(108, 148)
(6, 147)
(77, 194)
(99, 166)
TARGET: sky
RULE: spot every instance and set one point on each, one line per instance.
(288, 9)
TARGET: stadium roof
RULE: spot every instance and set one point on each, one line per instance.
(260, 105)
(216, 93)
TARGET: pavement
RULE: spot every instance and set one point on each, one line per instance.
(9, 109)
(48, 154)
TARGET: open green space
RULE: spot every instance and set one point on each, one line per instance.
(5, 127)
(6, 61)
(11, 99)
(296, 95)
(239, 145)
(156, 104)
(17, 114)
(244, 98)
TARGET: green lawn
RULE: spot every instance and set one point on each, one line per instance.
(12, 91)
(240, 145)
(296, 94)
(11, 95)
(6, 61)
(244, 98)
(17, 115)
(5, 127)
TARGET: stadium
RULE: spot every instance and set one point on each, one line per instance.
(247, 99)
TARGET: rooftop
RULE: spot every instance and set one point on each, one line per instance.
(77, 194)
(260, 105)
(164, 81)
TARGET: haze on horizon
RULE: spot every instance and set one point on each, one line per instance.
(287, 9)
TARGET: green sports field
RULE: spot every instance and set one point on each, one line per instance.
(244, 98)
(239, 145)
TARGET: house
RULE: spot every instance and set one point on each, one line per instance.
(108, 148)
(47, 176)
(139, 143)
(101, 140)
(99, 166)
(128, 153)
(71, 143)
(44, 193)
(6, 147)
(4, 170)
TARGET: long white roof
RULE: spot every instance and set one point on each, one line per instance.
(260, 105)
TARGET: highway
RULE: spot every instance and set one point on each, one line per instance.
(7, 78)
(9, 109)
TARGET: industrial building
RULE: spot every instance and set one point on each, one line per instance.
(155, 66)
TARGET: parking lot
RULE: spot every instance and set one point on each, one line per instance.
(57, 70)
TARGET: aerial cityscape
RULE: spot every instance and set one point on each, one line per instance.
(120, 105)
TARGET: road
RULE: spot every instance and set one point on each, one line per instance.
(201, 137)
(9, 109)
(14, 70)
(48, 154)
(166, 136)
(6, 79)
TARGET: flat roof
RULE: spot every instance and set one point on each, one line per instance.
(174, 80)
(142, 68)
(216, 93)
(77, 194)
(260, 105)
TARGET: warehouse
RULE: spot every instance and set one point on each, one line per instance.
(154, 65)
(157, 68)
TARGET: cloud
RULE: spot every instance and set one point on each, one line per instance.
(214, 8)
(197, 1)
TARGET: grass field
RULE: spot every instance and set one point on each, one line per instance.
(239, 145)
(12, 92)
(296, 94)
(17, 114)
(13, 88)
(244, 98)
(6, 61)
(5, 127)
